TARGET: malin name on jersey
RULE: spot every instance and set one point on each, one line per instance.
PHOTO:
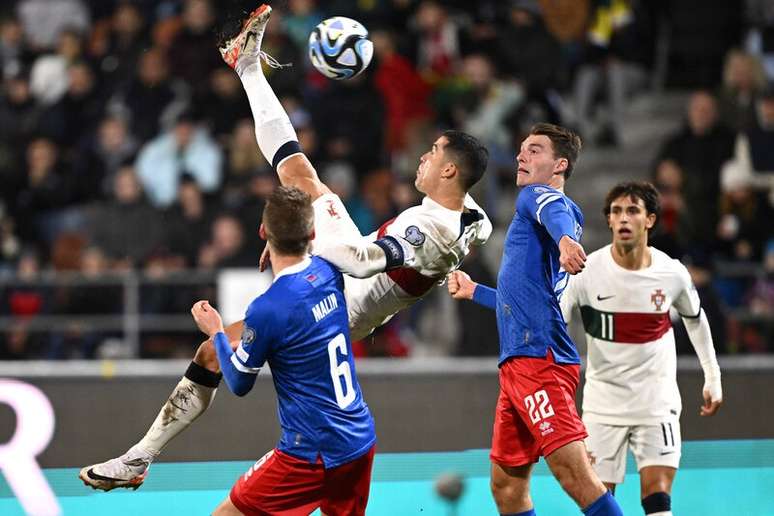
(324, 307)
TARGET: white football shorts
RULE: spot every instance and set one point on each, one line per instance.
(651, 445)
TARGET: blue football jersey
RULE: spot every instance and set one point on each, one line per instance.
(531, 281)
(300, 327)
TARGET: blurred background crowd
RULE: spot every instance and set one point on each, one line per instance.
(130, 173)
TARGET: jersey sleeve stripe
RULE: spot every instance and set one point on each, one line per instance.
(243, 368)
(241, 353)
(544, 203)
(542, 197)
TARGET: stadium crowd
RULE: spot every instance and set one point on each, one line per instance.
(127, 145)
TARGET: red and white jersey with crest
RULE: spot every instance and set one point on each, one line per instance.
(631, 365)
(440, 239)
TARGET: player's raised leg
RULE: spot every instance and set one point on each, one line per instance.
(275, 135)
(189, 399)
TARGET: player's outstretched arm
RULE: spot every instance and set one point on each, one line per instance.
(572, 257)
(364, 259)
(700, 335)
(239, 378)
(460, 286)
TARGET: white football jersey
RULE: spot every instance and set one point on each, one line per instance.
(632, 365)
(440, 237)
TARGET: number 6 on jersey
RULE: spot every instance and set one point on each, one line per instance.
(341, 371)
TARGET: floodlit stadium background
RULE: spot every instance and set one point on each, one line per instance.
(100, 261)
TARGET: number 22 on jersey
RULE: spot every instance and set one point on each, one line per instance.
(341, 372)
(538, 406)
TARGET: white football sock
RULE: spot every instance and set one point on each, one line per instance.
(272, 125)
(188, 401)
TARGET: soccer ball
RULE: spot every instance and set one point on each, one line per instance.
(339, 48)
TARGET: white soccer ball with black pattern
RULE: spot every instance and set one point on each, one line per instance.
(339, 48)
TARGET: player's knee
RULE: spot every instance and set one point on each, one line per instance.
(657, 503)
(655, 485)
(573, 479)
(206, 356)
(507, 493)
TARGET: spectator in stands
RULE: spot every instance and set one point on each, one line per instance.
(243, 159)
(10, 245)
(761, 295)
(249, 205)
(743, 80)
(102, 155)
(187, 222)
(150, 95)
(117, 43)
(224, 104)
(44, 20)
(438, 45)
(405, 94)
(668, 180)
(90, 297)
(18, 121)
(484, 106)
(700, 148)
(617, 50)
(18, 113)
(302, 16)
(358, 134)
(745, 220)
(699, 39)
(48, 69)
(192, 54)
(754, 152)
(126, 227)
(186, 148)
(81, 106)
(759, 16)
(23, 302)
(46, 189)
(14, 56)
(528, 52)
(227, 247)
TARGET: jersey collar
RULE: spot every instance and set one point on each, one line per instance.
(293, 269)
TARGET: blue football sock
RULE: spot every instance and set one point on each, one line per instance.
(605, 505)
(530, 512)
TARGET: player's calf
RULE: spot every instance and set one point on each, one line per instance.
(570, 465)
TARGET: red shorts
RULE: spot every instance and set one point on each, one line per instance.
(282, 485)
(535, 412)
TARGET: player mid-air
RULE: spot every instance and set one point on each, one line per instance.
(395, 266)
(631, 399)
(300, 327)
(539, 364)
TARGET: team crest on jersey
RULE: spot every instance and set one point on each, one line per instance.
(657, 298)
(248, 335)
(414, 236)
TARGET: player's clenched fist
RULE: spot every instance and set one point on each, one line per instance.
(572, 257)
(207, 318)
(460, 285)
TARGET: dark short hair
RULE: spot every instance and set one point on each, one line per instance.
(288, 220)
(636, 190)
(468, 154)
(567, 144)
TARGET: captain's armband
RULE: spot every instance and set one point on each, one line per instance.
(397, 252)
